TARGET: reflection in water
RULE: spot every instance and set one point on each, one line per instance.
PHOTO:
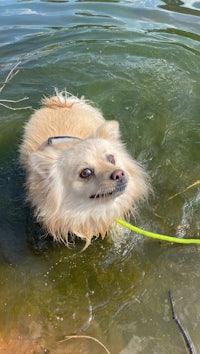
(186, 7)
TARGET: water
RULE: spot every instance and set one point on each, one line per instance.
(138, 61)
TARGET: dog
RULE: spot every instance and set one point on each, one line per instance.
(79, 175)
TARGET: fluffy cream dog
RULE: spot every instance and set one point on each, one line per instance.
(80, 177)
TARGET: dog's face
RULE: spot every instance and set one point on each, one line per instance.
(92, 172)
(85, 185)
(89, 173)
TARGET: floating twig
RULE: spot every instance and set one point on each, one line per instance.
(10, 75)
(15, 101)
(13, 72)
(14, 108)
(184, 333)
(85, 337)
(196, 183)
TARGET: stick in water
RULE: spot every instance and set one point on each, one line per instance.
(185, 335)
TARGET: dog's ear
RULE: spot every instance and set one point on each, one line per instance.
(109, 130)
(43, 163)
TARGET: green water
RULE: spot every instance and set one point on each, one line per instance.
(138, 61)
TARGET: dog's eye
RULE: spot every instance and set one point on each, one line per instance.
(111, 159)
(86, 172)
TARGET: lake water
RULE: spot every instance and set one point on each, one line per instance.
(139, 62)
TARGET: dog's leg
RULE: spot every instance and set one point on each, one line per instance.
(36, 236)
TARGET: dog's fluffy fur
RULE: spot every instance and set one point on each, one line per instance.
(82, 184)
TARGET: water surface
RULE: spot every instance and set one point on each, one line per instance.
(138, 61)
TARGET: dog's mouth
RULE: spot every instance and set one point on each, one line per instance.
(118, 190)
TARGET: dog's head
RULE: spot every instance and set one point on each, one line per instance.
(88, 183)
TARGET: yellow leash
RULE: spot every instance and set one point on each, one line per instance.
(157, 236)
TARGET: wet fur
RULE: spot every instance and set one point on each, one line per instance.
(64, 202)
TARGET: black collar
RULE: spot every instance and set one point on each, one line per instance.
(60, 139)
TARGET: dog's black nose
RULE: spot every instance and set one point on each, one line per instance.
(117, 175)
